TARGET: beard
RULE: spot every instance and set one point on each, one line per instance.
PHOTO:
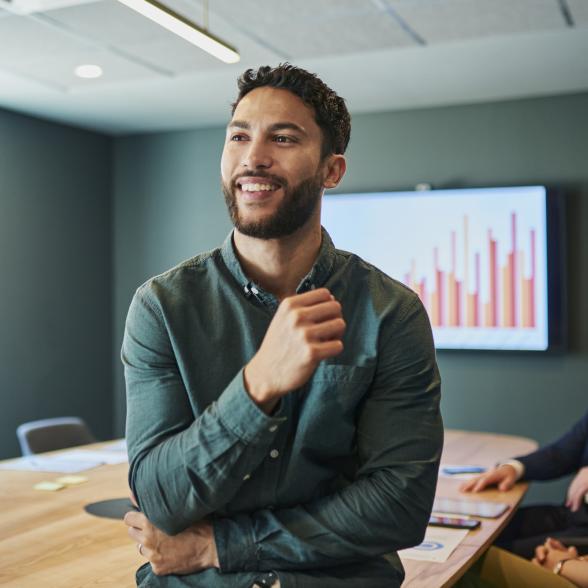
(293, 212)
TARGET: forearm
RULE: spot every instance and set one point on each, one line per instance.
(380, 513)
(179, 478)
(576, 571)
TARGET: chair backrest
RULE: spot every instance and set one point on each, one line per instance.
(52, 434)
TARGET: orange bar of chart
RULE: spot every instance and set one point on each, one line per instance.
(509, 297)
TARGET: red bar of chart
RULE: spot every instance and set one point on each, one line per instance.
(456, 298)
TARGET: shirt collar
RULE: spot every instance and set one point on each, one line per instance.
(317, 277)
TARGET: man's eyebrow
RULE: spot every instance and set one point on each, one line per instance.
(279, 126)
(283, 126)
(239, 124)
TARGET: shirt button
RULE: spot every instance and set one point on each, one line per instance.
(273, 428)
(246, 477)
(274, 453)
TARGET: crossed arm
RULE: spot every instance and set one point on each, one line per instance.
(384, 509)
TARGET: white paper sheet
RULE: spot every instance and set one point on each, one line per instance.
(71, 461)
(51, 464)
(101, 456)
(120, 445)
(437, 546)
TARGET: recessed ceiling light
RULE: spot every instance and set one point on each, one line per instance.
(88, 71)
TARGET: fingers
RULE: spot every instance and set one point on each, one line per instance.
(476, 484)
(321, 312)
(309, 298)
(504, 477)
(575, 503)
(327, 349)
(554, 543)
(540, 553)
(467, 486)
(136, 535)
(133, 500)
(135, 519)
(327, 331)
(506, 484)
(572, 551)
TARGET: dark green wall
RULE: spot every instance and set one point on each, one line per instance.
(56, 276)
(168, 206)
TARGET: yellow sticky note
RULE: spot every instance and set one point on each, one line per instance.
(48, 486)
(71, 480)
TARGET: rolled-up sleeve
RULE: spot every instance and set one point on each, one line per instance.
(183, 466)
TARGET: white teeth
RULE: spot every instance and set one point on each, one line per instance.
(257, 187)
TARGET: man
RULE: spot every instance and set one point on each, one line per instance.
(532, 525)
(283, 396)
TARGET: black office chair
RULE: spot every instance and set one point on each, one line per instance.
(51, 434)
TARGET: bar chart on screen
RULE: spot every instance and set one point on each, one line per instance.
(476, 258)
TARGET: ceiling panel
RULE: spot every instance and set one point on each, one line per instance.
(252, 47)
(109, 22)
(453, 20)
(116, 26)
(270, 12)
(341, 36)
(173, 54)
(59, 71)
(579, 11)
(315, 29)
(25, 40)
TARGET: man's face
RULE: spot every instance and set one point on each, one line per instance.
(271, 164)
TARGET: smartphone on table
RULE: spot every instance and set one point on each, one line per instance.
(453, 522)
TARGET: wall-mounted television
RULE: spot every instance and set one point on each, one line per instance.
(487, 263)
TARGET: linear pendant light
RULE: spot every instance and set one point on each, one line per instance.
(185, 28)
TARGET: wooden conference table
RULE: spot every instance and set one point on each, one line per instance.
(47, 539)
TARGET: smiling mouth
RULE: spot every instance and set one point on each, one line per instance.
(257, 187)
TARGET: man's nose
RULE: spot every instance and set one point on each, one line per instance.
(257, 155)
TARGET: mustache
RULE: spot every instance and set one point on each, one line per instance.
(260, 174)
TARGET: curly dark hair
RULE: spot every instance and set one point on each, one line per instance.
(330, 111)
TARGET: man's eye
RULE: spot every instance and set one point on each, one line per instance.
(283, 139)
(238, 137)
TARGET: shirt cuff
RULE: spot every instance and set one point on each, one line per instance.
(235, 545)
(243, 417)
(517, 465)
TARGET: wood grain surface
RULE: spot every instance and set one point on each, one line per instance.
(48, 540)
(485, 449)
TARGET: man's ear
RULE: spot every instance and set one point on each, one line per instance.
(335, 170)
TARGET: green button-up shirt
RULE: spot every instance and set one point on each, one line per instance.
(342, 473)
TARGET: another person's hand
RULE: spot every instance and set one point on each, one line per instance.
(504, 477)
(578, 490)
(306, 329)
(552, 551)
(190, 551)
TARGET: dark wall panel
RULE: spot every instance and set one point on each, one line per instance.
(55, 268)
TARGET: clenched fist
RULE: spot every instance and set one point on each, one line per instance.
(306, 329)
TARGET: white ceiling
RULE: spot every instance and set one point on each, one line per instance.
(378, 54)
